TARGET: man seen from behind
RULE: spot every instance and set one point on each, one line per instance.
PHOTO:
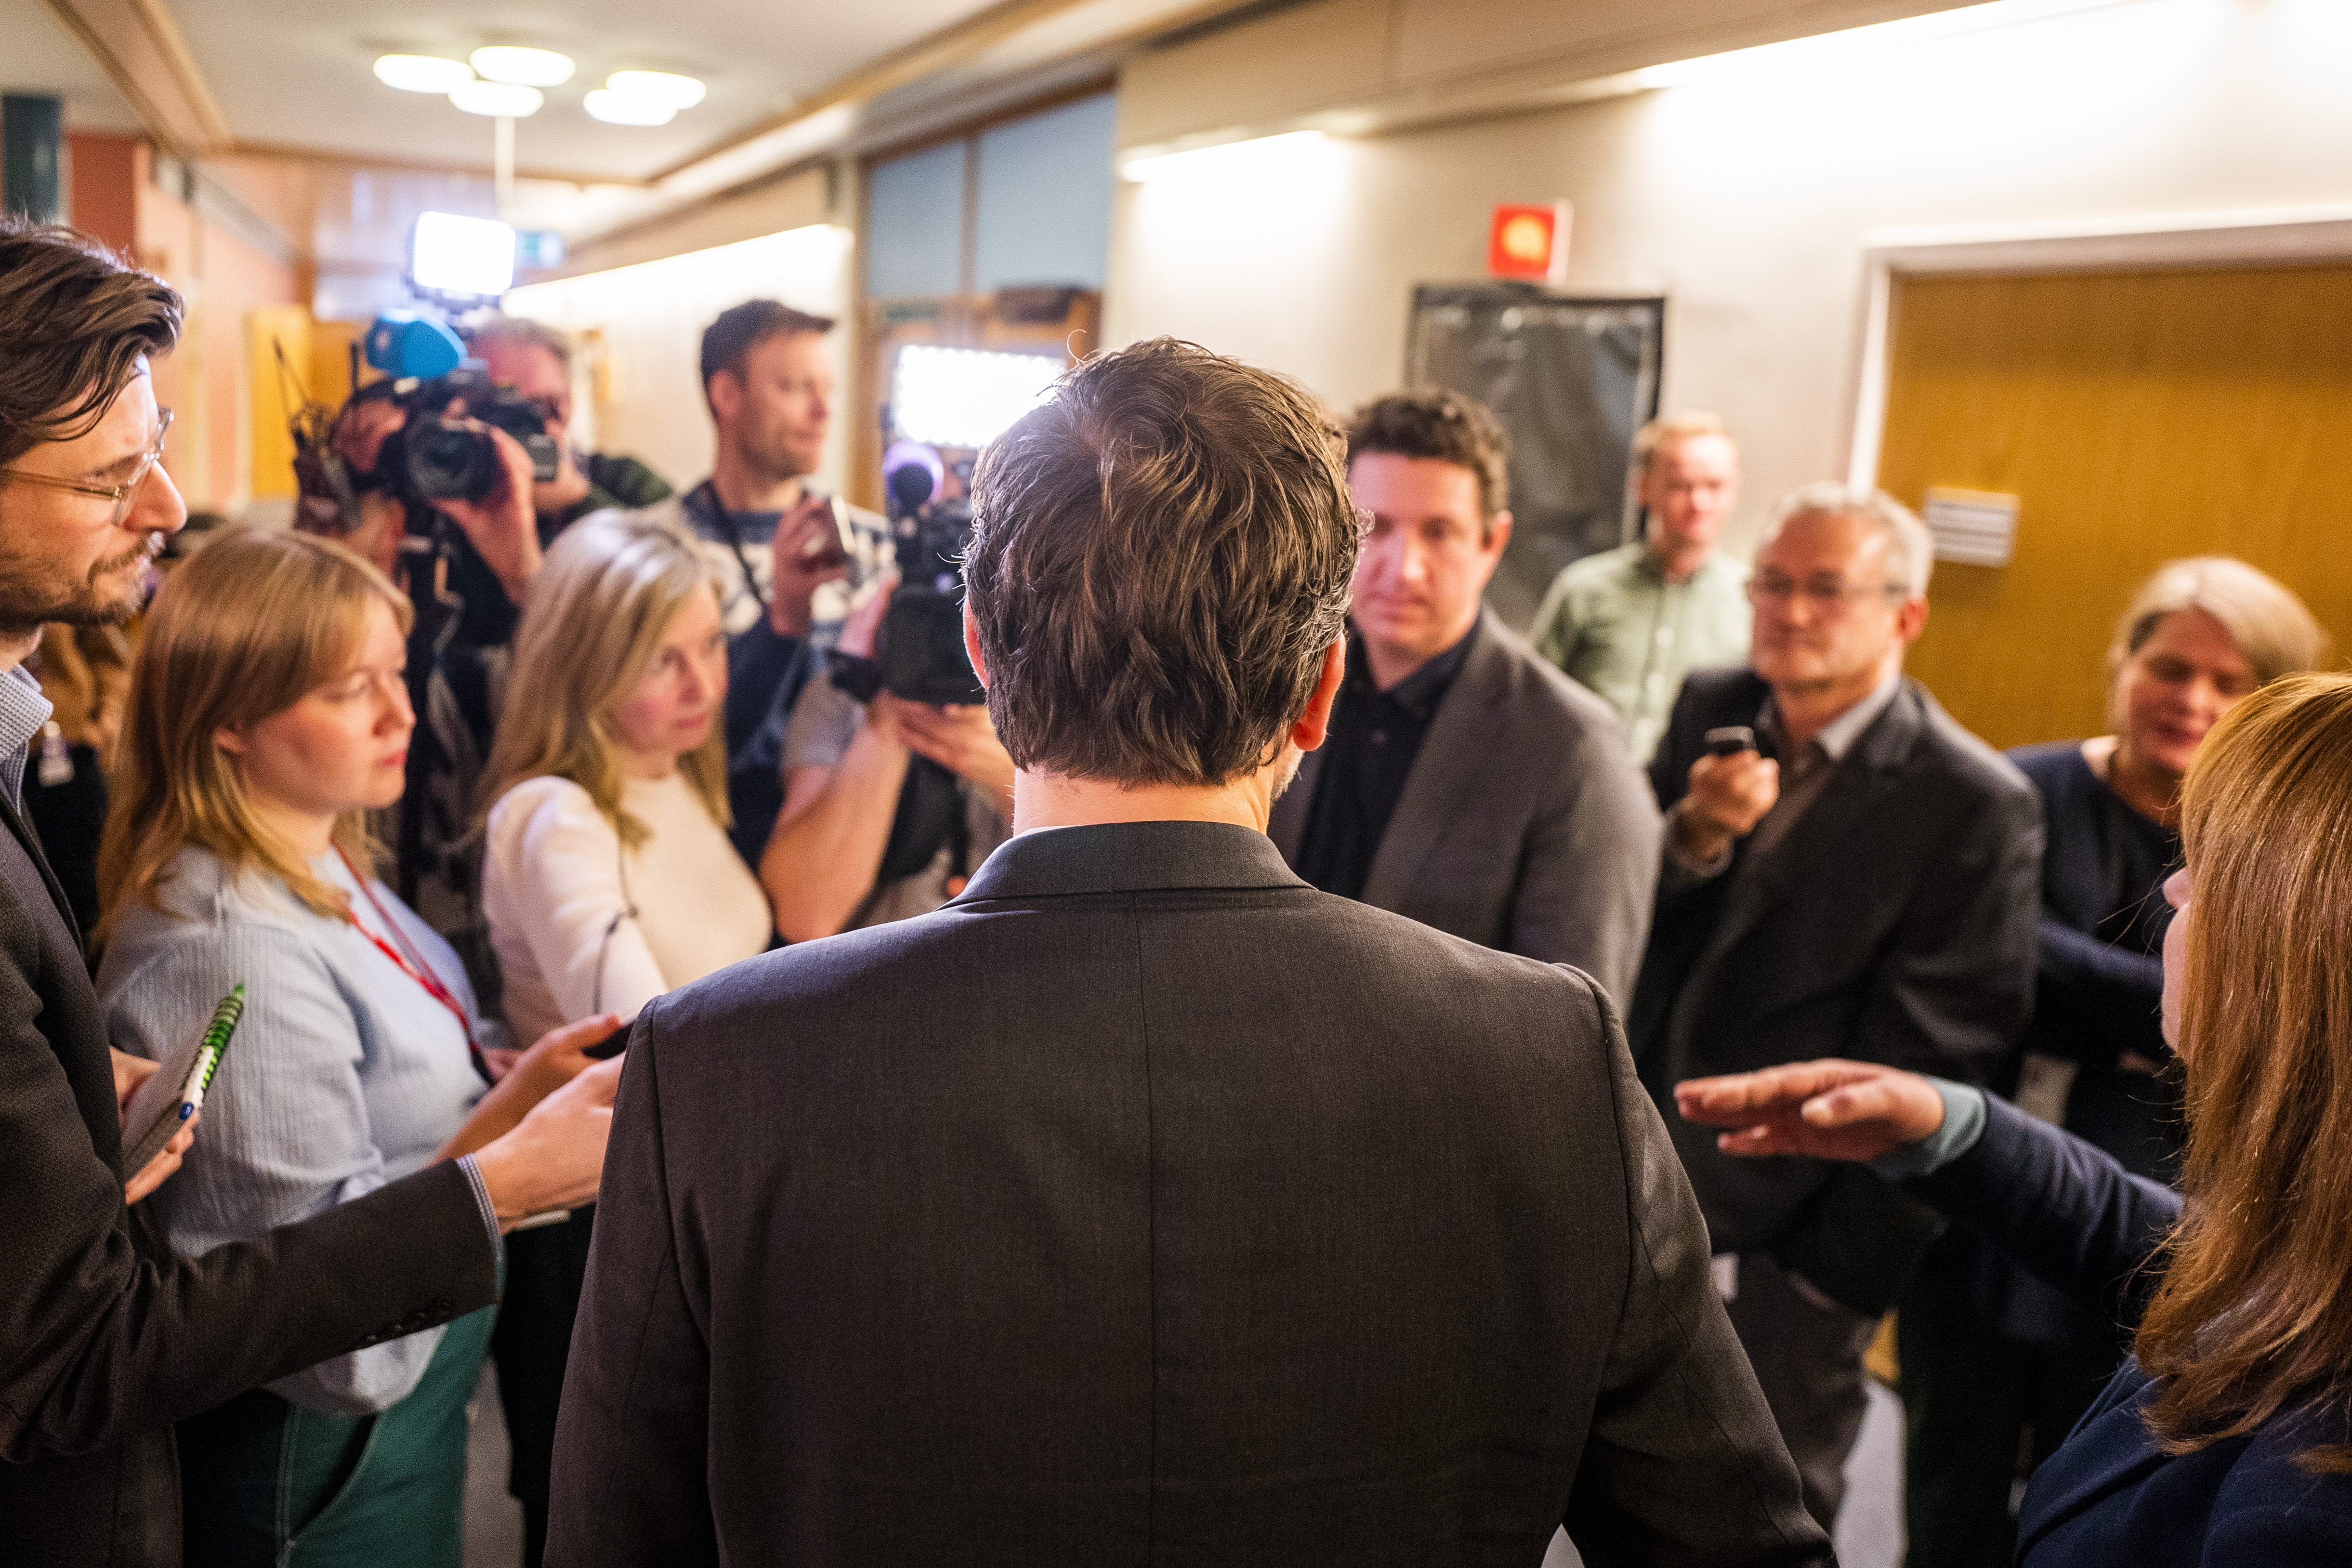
(1144, 1203)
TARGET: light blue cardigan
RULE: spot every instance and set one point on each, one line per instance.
(344, 1074)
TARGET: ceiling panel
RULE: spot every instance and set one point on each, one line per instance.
(288, 72)
(39, 56)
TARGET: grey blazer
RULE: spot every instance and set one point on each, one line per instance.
(1146, 1205)
(1525, 825)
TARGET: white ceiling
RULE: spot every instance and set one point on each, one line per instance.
(38, 56)
(292, 72)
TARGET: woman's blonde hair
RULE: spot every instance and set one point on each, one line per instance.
(2270, 625)
(2254, 1313)
(242, 630)
(592, 628)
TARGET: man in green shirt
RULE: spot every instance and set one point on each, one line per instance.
(1630, 621)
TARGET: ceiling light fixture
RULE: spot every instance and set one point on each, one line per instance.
(522, 67)
(657, 87)
(614, 108)
(498, 99)
(422, 73)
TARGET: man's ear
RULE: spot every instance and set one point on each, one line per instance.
(229, 741)
(1497, 541)
(971, 644)
(1911, 619)
(1311, 726)
(724, 392)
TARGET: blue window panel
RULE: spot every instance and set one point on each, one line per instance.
(914, 223)
(1044, 197)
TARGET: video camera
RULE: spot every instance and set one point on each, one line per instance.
(919, 652)
(433, 457)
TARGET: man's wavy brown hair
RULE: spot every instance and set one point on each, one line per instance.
(76, 323)
(2254, 1315)
(1159, 558)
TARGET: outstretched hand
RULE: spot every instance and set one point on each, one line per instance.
(1830, 1109)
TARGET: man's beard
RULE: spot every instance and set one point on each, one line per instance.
(27, 603)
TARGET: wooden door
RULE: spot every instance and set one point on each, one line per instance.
(2138, 416)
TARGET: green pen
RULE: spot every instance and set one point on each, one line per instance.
(210, 1050)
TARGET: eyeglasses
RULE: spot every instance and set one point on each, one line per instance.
(121, 495)
(1831, 595)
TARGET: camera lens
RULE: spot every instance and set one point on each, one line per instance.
(448, 463)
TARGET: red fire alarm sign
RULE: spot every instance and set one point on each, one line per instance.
(1530, 242)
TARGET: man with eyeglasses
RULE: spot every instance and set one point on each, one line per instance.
(106, 1337)
(1847, 873)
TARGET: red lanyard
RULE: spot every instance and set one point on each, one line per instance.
(418, 970)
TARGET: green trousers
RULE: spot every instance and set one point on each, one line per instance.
(266, 1484)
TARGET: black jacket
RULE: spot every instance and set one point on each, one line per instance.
(1893, 923)
(1145, 1203)
(105, 1339)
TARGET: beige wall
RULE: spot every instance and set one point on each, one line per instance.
(1748, 197)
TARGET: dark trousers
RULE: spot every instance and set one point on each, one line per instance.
(532, 1342)
(1976, 1400)
(1807, 1351)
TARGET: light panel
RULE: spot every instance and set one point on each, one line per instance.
(456, 255)
(614, 108)
(965, 397)
(659, 87)
(500, 100)
(422, 73)
(522, 67)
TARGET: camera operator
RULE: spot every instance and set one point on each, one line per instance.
(535, 359)
(768, 379)
(896, 787)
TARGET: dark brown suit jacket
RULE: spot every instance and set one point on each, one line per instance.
(1525, 825)
(105, 1338)
(1146, 1205)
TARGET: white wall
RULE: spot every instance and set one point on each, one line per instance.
(651, 316)
(1747, 194)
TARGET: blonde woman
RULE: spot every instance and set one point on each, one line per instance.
(267, 717)
(607, 875)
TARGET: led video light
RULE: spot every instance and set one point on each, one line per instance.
(965, 397)
(454, 255)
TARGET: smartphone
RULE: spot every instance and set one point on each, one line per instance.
(1730, 740)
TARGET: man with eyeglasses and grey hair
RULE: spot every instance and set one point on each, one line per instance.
(1847, 872)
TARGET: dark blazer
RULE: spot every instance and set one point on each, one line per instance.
(2077, 1219)
(1145, 1203)
(1893, 923)
(1523, 827)
(105, 1338)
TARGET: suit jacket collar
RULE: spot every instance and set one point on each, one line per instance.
(1869, 769)
(1128, 857)
(14, 817)
(1447, 774)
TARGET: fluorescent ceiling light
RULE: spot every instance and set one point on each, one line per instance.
(659, 87)
(422, 73)
(626, 109)
(501, 100)
(1201, 160)
(455, 255)
(522, 67)
(965, 397)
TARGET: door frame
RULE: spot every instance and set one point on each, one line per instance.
(2275, 236)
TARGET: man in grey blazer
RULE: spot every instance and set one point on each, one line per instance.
(1865, 882)
(1466, 783)
(1145, 1203)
